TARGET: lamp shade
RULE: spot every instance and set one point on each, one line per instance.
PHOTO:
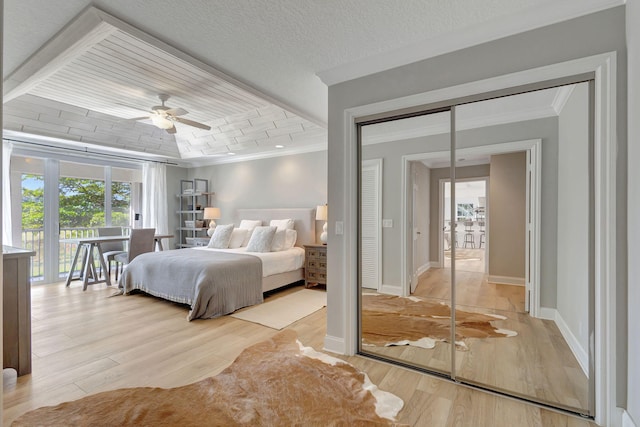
(211, 213)
(321, 212)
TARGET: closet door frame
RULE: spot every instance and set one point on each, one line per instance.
(602, 70)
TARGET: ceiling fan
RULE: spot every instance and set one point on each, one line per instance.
(165, 117)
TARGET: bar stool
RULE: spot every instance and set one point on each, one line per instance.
(453, 232)
(482, 234)
(469, 238)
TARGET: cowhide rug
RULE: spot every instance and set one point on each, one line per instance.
(277, 382)
(390, 320)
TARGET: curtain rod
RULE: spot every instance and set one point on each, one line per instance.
(86, 151)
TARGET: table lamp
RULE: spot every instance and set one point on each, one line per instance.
(321, 215)
(211, 214)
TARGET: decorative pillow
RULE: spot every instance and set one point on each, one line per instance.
(283, 240)
(278, 241)
(282, 224)
(221, 237)
(237, 237)
(249, 224)
(261, 239)
(290, 239)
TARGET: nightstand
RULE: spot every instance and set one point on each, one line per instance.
(315, 265)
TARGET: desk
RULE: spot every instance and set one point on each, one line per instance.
(93, 243)
(16, 315)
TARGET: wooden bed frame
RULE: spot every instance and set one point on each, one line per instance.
(305, 225)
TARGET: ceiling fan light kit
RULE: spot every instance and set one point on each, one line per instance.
(165, 118)
(161, 122)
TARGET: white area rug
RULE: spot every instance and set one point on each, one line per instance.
(282, 312)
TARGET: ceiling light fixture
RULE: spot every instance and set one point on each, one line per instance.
(231, 153)
(279, 146)
(161, 121)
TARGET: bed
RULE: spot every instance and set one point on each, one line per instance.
(215, 282)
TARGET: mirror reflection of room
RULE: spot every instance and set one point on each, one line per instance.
(469, 224)
(508, 226)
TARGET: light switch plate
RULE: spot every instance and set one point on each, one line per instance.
(387, 223)
(339, 228)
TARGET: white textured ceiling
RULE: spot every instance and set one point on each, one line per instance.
(275, 46)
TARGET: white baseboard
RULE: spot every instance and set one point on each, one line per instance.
(391, 290)
(580, 353)
(506, 280)
(423, 268)
(626, 420)
(547, 313)
(334, 344)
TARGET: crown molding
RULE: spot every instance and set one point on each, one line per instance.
(550, 13)
(562, 96)
(225, 158)
(465, 124)
(48, 145)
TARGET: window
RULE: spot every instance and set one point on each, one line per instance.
(89, 196)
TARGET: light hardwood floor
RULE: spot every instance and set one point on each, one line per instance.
(536, 364)
(86, 342)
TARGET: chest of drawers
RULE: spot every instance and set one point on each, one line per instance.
(315, 269)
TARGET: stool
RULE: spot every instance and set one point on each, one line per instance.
(469, 238)
(482, 235)
(453, 233)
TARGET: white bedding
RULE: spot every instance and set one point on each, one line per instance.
(272, 262)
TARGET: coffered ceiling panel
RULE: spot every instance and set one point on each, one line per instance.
(101, 66)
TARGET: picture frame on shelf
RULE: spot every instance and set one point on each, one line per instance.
(186, 186)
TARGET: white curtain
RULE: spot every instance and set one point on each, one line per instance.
(154, 197)
(7, 231)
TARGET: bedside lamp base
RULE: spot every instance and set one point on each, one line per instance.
(323, 236)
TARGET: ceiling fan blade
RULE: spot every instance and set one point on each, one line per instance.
(171, 130)
(176, 111)
(192, 123)
(137, 118)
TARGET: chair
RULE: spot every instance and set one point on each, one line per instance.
(111, 249)
(453, 233)
(141, 241)
(468, 234)
(482, 234)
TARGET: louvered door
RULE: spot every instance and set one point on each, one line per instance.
(371, 205)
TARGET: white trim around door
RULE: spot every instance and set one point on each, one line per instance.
(603, 66)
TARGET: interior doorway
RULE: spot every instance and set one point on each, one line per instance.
(469, 224)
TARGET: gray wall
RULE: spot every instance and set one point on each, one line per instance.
(296, 181)
(174, 175)
(507, 215)
(573, 215)
(577, 38)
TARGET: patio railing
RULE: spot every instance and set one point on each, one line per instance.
(33, 239)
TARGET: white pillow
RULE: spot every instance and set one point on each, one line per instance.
(282, 224)
(261, 239)
(237, 237)
(283, 240)
(278, 240)
(290, 239)
(249, 224)
(221, 237)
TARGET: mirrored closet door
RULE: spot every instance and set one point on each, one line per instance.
(476, 242)
(398, 206)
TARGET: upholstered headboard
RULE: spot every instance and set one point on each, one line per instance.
(305, 220)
